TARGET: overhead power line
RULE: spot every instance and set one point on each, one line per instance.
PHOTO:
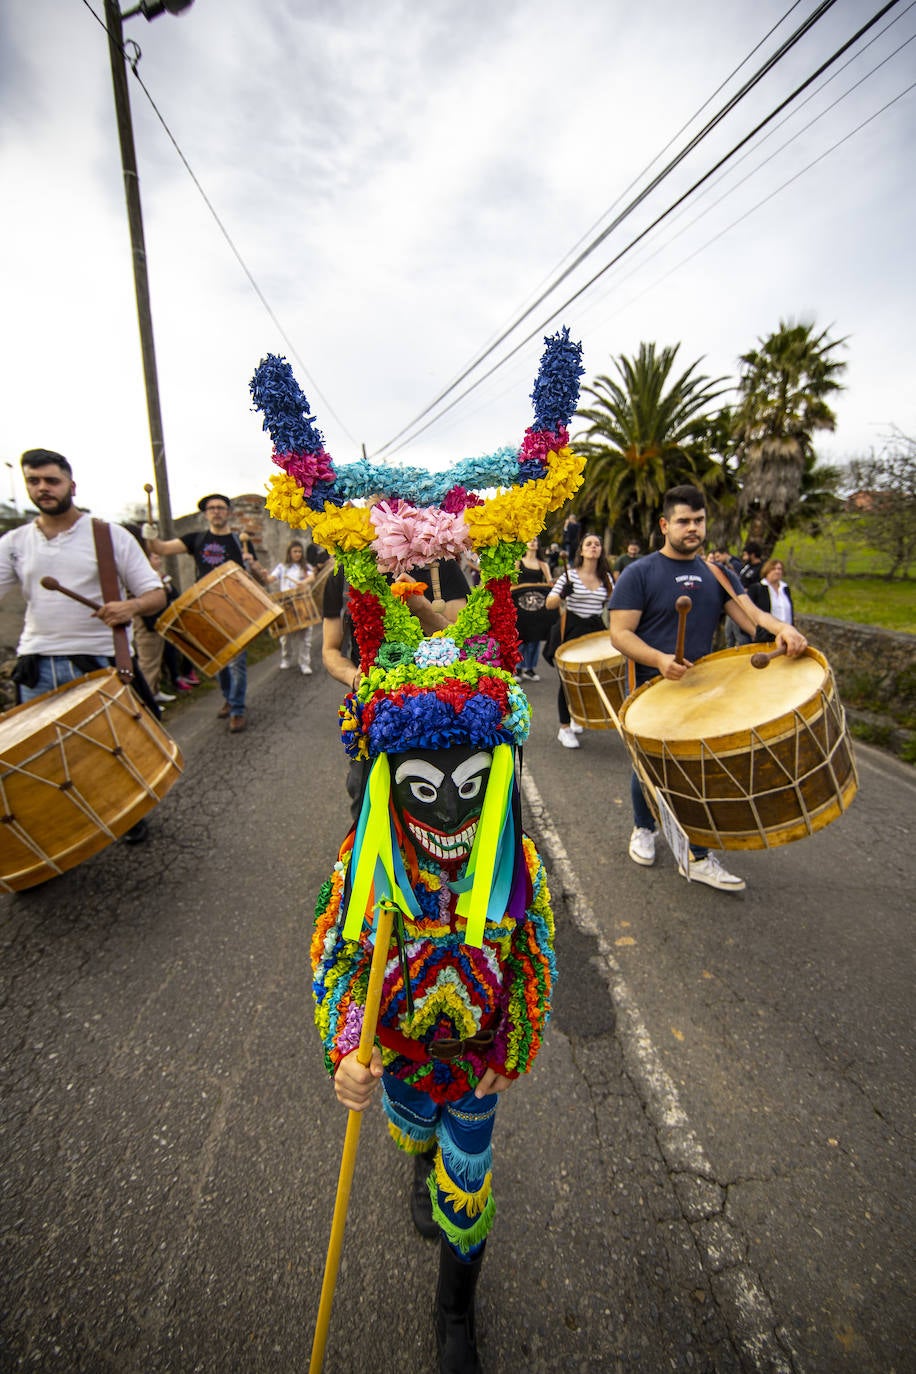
(794, 38)
(659, 219)
(313, 385)
(777, 190)
(583, 238)
(760, 165)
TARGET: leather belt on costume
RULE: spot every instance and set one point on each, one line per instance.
(448, 1050)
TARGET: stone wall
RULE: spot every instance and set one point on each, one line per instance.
(875, 670)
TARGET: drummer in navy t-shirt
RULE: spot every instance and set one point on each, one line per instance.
(644, 625)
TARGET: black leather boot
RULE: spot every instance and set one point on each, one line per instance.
(456, 1337)
(421, 1205)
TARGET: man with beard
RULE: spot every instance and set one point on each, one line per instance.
(61, 640)
(211, 548)
(59, 635)
(644, 625)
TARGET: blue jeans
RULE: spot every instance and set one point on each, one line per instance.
(53, 671)
(460, 1184)
(233, 681)
(734, 635)
(531, 649)
(643, 818)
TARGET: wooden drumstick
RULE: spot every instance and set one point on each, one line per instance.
(53, 585)
(147, 487)
(683, 606)
(761, 660)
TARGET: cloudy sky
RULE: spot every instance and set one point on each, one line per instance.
(400, 179)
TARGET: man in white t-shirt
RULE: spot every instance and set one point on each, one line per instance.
(60, 544)
(61, 639)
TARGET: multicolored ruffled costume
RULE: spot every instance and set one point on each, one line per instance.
(468, 981)
(457, 990)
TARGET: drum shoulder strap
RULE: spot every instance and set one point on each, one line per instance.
(753, 615)
(723, 581)
(108, 581)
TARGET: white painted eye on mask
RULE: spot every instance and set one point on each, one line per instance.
(423, 779)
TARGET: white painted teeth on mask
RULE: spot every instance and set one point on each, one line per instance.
(461, 843)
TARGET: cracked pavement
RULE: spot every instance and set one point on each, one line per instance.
(709, 1170)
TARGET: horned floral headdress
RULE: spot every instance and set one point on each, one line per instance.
(455, 686)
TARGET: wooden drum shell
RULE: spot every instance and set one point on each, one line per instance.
(572, 661)
(216, 617)
(79, 767)
(298, 611)
(778, 780)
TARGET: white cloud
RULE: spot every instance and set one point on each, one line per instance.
(399, 178)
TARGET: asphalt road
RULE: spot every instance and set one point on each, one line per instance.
(709, 1169)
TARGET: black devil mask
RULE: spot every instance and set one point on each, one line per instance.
(438, 794)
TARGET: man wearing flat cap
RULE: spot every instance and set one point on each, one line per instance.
(211, 548)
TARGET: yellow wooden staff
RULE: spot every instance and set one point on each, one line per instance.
(386, 912)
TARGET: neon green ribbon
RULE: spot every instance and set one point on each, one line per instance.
(473, 904)
(376, 856)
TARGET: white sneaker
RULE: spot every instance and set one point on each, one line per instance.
(286, 665)
(576, 729)
(306, 670)
(162, 697)
(711, 872)
(567, 738)
(530, 675)
(642, 847)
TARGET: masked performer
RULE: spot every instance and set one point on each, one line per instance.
(467, 988)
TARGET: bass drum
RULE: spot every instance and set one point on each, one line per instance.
(216, 617)
(297, 612)
(746, 758)
(573, 660)
(79, 767)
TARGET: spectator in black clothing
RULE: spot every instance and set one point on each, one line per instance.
(725, 559)
(748, 574)
(210, 549)
(772, 594)
(572, 533)
(751, 563)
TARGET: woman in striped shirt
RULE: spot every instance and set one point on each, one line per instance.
(586, 589)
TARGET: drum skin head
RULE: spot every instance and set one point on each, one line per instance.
(79, 766)
(723, 695)
(594, 649)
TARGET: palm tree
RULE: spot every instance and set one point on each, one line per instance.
(783, 390)
(645, 433)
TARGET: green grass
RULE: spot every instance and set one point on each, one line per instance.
(838, 575)
(840, 550)
(867, 600)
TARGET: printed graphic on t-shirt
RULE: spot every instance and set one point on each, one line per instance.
(687, 581)
(214, 555)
